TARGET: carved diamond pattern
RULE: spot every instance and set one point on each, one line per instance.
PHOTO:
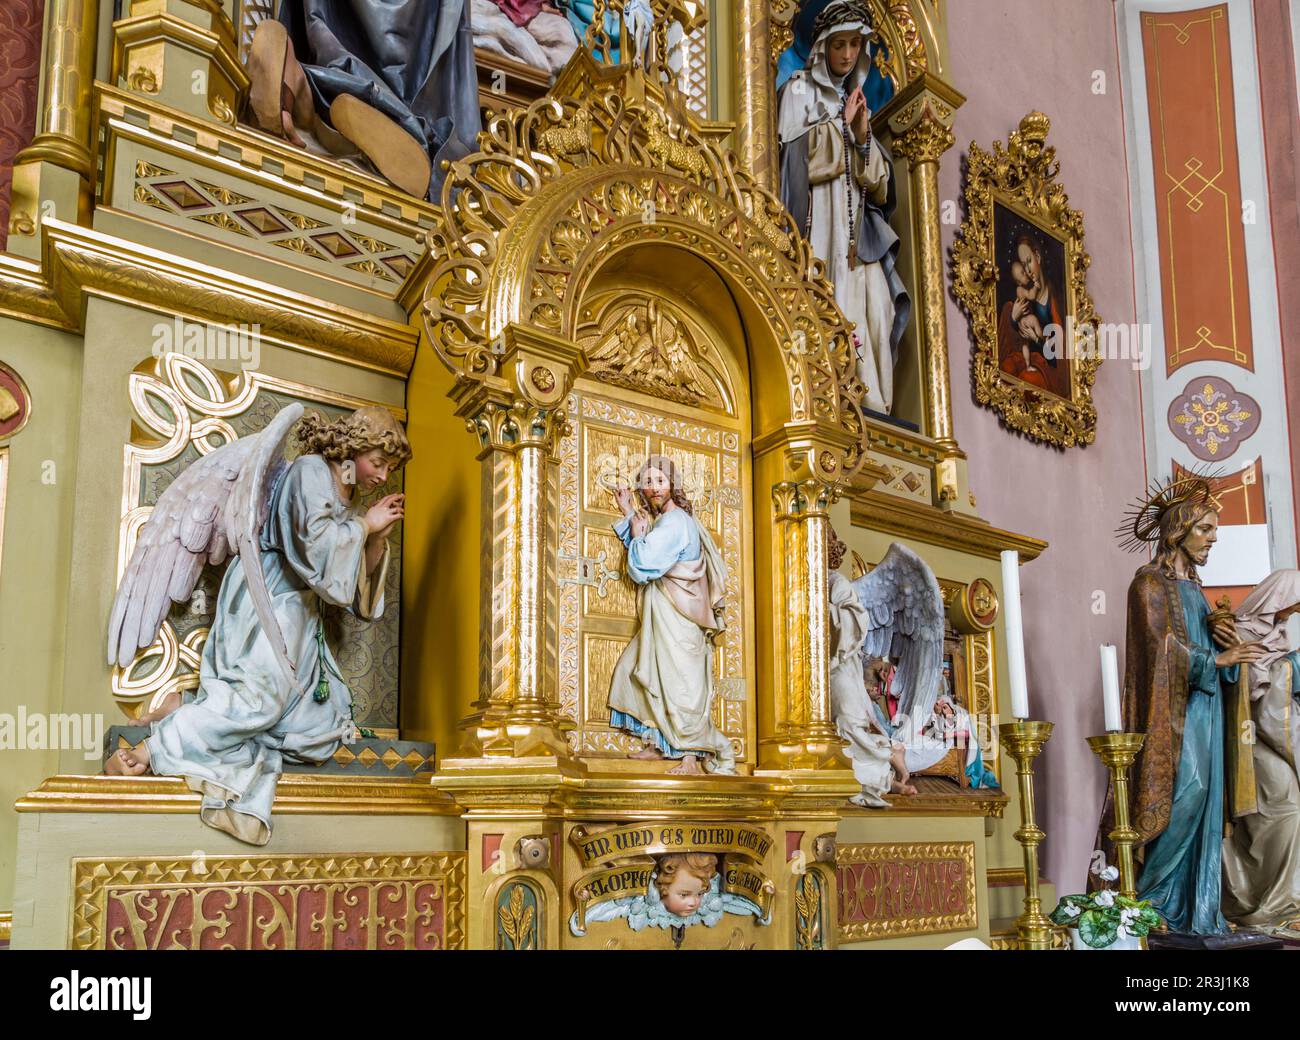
(223, 208)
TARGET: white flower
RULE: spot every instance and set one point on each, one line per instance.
(1129, 914)
(1104, 898)
(1070, 910)
(1109, 874)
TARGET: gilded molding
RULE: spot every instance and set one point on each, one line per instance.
(80, 262)
(255, 159)
(299, 794)
(26, 296)
(876, 511)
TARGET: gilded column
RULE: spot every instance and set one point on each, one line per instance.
(53, 176)
(519, 418)
(63, 113)
(755, 99)
(805, 735)
(920, 123)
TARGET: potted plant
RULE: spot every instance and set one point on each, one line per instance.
(1104, 919)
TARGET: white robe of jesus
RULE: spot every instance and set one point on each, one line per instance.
(662, 687)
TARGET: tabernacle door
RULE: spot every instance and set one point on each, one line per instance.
(657, 386)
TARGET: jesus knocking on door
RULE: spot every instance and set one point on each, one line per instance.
(662, 687)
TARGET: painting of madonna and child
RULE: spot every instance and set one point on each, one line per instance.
(1032, 305)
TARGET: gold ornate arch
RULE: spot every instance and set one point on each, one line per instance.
(559, 190)
(606, 165)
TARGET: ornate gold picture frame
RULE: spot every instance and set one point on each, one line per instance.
(1020, 272)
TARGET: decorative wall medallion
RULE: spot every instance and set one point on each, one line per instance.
(1213, 418)
(15, 403)
(982, 603)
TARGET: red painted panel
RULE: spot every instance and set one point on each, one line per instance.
(20, 70)
(1198, 187)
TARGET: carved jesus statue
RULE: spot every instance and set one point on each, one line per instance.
(662, 687)
(1180, 660)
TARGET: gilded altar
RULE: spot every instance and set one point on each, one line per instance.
(609, 277)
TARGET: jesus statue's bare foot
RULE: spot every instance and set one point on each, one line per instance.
(688, 766)
(649, 753)
(901, 787)
(169, 704)
(128, 762)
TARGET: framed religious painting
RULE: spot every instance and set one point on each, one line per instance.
(1020, 273)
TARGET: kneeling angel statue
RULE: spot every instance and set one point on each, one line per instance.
(269, 687)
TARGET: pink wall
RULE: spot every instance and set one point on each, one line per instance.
(1281, 114)
(1008, 60)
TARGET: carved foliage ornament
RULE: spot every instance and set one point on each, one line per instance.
(527, 222)
(1016, 210)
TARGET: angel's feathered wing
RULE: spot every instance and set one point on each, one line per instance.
(216, 507)
(906, 623)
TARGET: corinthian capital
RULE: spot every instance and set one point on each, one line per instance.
(920, 119)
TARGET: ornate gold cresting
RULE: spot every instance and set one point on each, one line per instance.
(919, 121)
(1117, 752)
(1022, 178)
(1024, 742)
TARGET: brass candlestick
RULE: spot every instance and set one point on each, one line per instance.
(1024, 742)
(1117, 751)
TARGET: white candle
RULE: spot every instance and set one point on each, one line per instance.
(1015, 635)
(1110, 689)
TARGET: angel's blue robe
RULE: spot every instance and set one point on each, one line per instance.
(1182, 868)
(229, 741)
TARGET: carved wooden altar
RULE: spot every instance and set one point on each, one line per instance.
(604, 279)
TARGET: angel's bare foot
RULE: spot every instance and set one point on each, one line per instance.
(898, 758)
(689, 765)
(647, 754)
(169, 704)
(128, 762)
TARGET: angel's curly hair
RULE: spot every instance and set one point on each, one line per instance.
(836, 550)
(351, 435)
(699, 865)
